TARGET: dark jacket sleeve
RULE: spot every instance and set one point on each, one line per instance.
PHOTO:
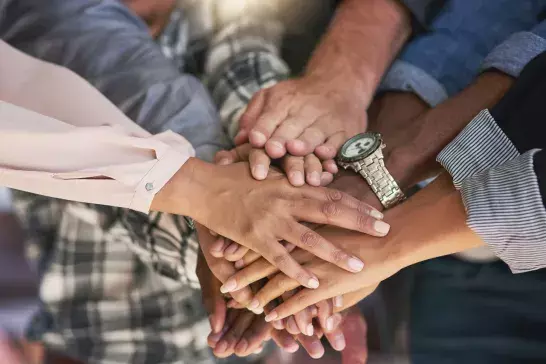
(499, 164)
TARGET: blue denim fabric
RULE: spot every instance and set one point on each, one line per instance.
(465, 32)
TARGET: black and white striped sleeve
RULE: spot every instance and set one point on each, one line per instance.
(498, 164)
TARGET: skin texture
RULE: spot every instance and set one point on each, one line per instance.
(259, 226)
(408, 243)
(316, 113)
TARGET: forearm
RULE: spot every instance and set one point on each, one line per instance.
(429, 225)
(412, 148)
(362, 41)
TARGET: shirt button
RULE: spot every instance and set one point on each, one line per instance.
(149, 186)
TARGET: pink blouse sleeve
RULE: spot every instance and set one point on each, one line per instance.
(60, 137)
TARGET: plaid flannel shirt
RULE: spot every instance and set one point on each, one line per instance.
(118, 286)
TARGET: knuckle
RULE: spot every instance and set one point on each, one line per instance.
(302, 277)
(338, 256)
(314, 134)
(363, 221)
(330, 209)
(334, 195)
(280, 284)
(281, 260)
(309, 239)
(363, 208)
(302, 299)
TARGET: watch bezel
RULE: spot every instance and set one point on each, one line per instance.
(373, 148)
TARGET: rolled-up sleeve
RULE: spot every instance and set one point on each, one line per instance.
(520, 48)
(499, 165)
(95, 154)
(438, 64)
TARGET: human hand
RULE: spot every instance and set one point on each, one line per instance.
(303, 116)
(297, 169)
(379, 256)
(259, 226)
(212, 273)
(446, 232)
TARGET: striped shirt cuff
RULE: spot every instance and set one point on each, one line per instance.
(504, 207)
(481, 145)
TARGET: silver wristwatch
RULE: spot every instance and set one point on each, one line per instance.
(363, 153)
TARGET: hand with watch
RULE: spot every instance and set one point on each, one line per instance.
(363, 154)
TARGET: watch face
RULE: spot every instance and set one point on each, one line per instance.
(359, 147)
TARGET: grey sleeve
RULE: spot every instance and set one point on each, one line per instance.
(110, 47)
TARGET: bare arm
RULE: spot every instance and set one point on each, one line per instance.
(363, 39)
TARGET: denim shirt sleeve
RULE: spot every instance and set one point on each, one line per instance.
(442, 62)
(106, 44)
(519, 49)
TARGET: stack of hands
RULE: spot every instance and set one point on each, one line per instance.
(302, 254)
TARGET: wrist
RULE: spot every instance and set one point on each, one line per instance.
(430, 224)
(186, 191)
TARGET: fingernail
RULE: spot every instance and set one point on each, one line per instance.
(232, 249)
(212, 233)
(215, 337)
(381, 227)
(239, 264)
(258, 311)
(277, 325)
(314, 311)
(310, 330)
(338, 301)
(298, 144)
(339, 342)
(223, 161)
(330, 323)
(258, 137)
(240, 134)
(313, 283)
(276, 144)
(242, 346)
(221, 347)
(259, 350)
(272, 316)
(229, 286)
(314, 178)
(355, 264)
(376, 215)
(292, 326)
(217, 247)
(316, 349)
(297, 178)
(259, 172)
(292, 348)
(254, 304)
